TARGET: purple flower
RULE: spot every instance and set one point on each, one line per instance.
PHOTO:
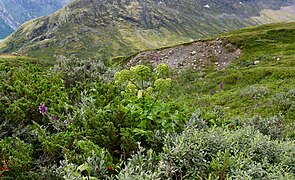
(43, 109)
(85, 67)
(211, 92)
(220, 85)
(54, 118)
(157, 59)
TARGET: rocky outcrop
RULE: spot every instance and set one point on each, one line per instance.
(217, 54)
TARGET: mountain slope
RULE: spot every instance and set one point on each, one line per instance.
(125, 27)
(237, 121)
(13, 13)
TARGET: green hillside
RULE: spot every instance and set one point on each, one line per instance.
(84, 27)
(260, 81)
(91, 119)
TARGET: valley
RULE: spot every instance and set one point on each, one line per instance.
(14, 13)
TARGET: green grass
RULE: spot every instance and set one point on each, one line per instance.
(273, 46)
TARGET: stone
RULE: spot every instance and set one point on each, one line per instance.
(256, 62)
(193, 53)
(15, 54)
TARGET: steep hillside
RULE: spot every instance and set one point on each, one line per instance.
(125, 27)
(13, 13)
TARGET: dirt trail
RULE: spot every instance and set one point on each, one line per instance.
(196, 55)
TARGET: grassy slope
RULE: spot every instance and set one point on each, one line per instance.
(273, 46)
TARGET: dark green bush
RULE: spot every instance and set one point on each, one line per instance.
(16, 155)
(25, 86)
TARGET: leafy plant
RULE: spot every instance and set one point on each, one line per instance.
(16, 156)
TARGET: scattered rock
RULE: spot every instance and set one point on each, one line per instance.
(228, 46)
(15, 54)
(193, 53)
(197, 54)
(256, 62)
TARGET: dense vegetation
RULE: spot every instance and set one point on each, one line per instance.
(84, 119)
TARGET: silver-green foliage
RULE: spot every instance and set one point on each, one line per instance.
(215, 153)
(284, 100)
(96, 167)
(254, 91)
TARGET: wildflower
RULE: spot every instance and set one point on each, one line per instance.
(85, 67)
(54, 118)
(110, 168)
(43, 109)
(220, 85)
(65, 123)
(157, 59)
(5, 167)
(211, 92)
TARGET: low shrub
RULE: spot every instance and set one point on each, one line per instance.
(253, 91)
(215, 153)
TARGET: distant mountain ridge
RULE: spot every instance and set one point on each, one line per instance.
(13, 13)
(126, 26)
